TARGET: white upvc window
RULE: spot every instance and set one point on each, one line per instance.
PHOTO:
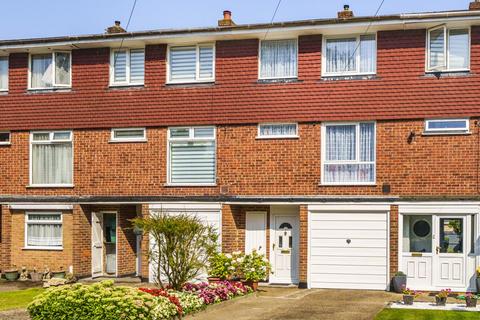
(128, 135)
(51, 158)
(348, 153)
(43, 230)
(277, 130)
(3, 73)
(349, 55)
(447, 126)
(448, 49)
(5, 137)
(50, 70)
(127, 67)
(278, 59)
(191, 156)
(187, 64)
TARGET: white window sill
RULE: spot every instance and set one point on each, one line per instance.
(446, 133)
(348, 184)
(350, 74)
(190, 185)
(48, 90)
(5, 143)
(275, 137)
(447, 71)
(191, 82)
(3, 91)
(128, 141)
(126, 85)
(43, 248)
(50, 186)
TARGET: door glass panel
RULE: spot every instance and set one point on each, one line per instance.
(417, 233)
(290, 242)
(451, 235)
(280, 242)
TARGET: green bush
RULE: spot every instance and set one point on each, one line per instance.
(100, 301)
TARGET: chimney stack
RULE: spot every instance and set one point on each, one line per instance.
(475, 5)
(227, 20)
(115, 28)
(346, 13)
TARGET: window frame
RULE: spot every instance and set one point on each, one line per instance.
(7, 58)
(193, 139)
(197, 63)
(116, 140)
(259, 136)
(260, 60)
(54, 84)
(9, 142)
(444, 131)
(446, 53)
(127, 82)
(323, 153)
(28, 222)
(50, 141)
(357, 55)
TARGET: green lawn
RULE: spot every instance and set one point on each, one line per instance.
(17, 299)
(402, 314)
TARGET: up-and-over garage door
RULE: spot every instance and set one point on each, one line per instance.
(209, 213)
(348, 249)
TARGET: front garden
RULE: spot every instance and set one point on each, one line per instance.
(183, 250)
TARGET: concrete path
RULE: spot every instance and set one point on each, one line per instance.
(292, 303)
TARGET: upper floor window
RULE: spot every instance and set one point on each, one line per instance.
(4, 137)
(448, 49)
(3, 73)
(278, 59)
(350, 55)
(194, 63)
(192, 156)
(50, 70)
(128, 135)
(348, 152)
(277, 130)
(439, 126)
(43, 230)
(127, 67)
(51, 158)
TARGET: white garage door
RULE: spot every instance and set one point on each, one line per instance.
(348, 250)
(210, 213)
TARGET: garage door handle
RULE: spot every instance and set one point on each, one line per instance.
(349, 241)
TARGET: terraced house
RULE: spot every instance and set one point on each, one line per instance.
(346, 149)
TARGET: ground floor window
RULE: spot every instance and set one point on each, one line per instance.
(417, 233)
(43, 230)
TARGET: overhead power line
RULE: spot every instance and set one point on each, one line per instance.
(273, 17)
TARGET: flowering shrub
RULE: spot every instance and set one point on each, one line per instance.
(225, 265)
(164, 308)
(478, 272)
(216, 292)
(162, 293)
(469, 295)
(410, 292)
(98, 301)
(190, 302)
(255, 267)
(444, 293)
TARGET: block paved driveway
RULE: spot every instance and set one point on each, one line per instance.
(293, 303)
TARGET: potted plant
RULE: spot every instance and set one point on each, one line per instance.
(60, 274)
(470, 299)
(399, 282)
(220, 267)
(409, 295)
(255, 267)
(11, 274)
(36, 276)
(442, 296)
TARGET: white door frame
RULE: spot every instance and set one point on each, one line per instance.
(281, 211)
(439, 210)
(103, 237)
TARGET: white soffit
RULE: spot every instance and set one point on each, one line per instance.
(41, 207)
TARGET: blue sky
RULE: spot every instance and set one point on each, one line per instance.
(35, 18)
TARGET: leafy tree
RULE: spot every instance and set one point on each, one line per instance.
(182, 246)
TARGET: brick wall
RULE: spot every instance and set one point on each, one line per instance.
(393, 240)
(303, 249)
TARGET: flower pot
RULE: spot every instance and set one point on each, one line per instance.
(408, 299)
(58, 274)
(36, 276)
(471, 302)
(214, 280)
(399, 282)
(11, 275)
(440, 301)
(252, 284)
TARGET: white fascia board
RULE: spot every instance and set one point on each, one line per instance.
(438, 208)
(41, 206)
(350, 207)
(179, 206)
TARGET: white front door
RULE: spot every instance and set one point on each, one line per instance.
(450, 256)
(285, 249)
(97, 244)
